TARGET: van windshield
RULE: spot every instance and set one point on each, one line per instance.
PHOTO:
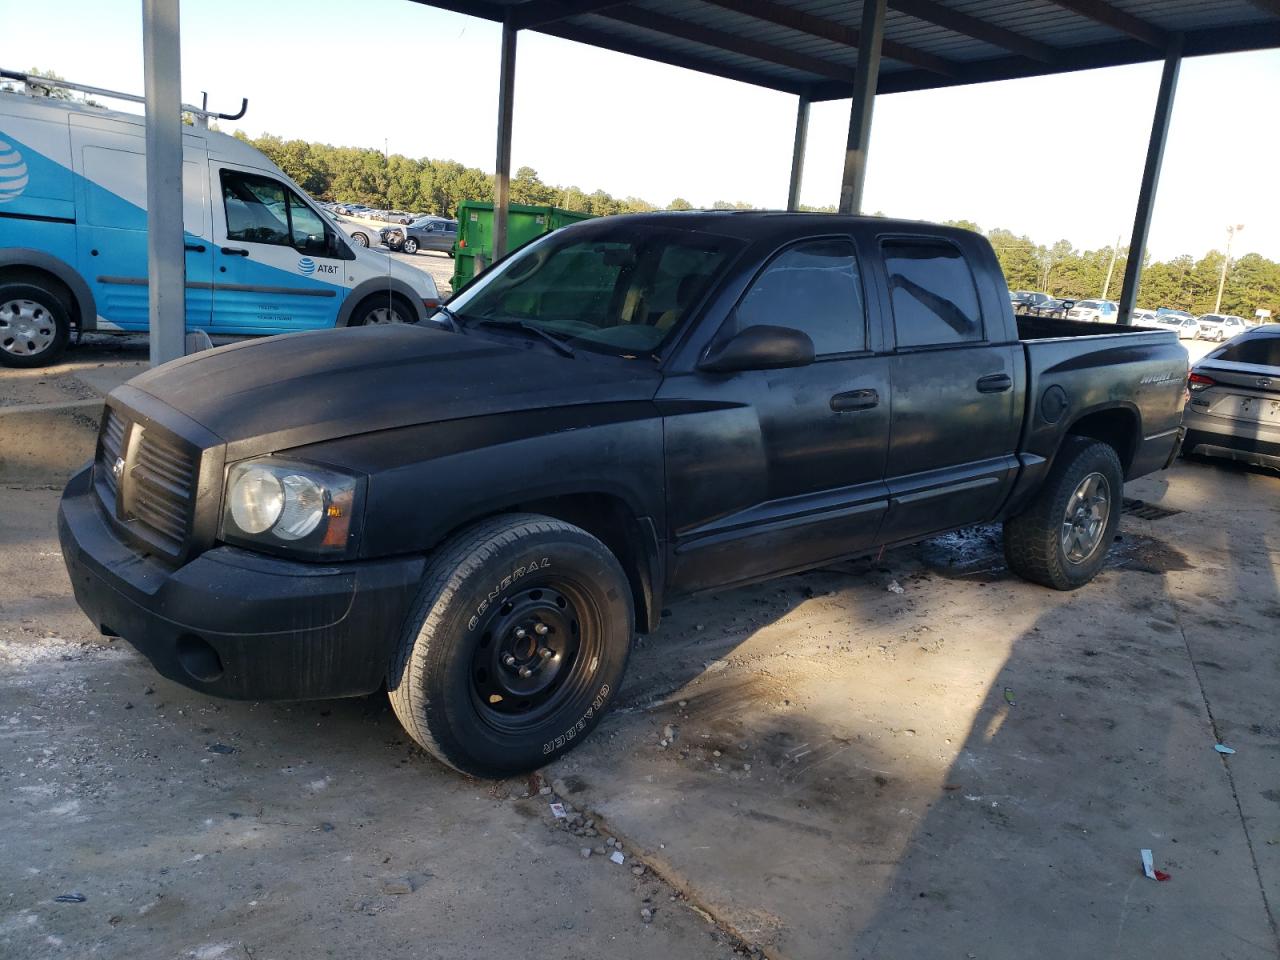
(620, 290)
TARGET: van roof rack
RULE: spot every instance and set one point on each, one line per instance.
(202, 113)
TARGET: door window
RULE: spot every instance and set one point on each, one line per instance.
(263, 210)
(934, 297)
(813, 287)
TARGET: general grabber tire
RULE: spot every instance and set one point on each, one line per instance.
(515, 646)
(1061, 539)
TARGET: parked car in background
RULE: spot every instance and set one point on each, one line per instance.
(1170, 312)
(428, 233)
(350, 209)
(1053, 307)
(361, 234)
(1219, 327)
(1094, 311)
(1234, 410)
(1024, 301)
(1185, 327)
(1145, 318)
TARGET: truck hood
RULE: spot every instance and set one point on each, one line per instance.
(267, 395)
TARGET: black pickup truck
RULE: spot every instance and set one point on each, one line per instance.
(479, 511)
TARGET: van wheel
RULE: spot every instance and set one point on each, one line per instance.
(34, 325)
(1061, 539)
(379, 309)
(410, 245)
(515, 646)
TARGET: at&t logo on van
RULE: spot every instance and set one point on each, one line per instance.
(13, 173)
(307, 266)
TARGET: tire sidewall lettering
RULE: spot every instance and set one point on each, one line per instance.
(565, 739)
(503, 585)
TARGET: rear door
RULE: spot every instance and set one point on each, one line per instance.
(775, 470)
(276, 268)
(955, 376)
(111, 230)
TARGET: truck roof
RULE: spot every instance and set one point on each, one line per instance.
(781, 225)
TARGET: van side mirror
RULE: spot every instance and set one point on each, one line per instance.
(763, 347)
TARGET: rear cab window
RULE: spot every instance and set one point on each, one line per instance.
(932, 293)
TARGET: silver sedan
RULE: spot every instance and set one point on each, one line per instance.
(1234, 410)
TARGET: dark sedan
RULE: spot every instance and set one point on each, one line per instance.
(429, 233)
(1051, 308)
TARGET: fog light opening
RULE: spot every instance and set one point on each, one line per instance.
(198, 658)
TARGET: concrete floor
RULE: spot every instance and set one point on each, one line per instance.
(966, 769)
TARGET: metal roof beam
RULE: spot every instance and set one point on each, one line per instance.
(674, 58)
(537, 12)
(815, 26)
(1109, 16)
(962, 23)
(756, 49)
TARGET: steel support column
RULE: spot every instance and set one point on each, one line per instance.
(866, 77)
(502, 167)
(166, 258)
(1150, 178)
(797, 154)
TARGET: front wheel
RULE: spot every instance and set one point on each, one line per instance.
(515, 646)
(411, 245)
(1061, 539)
(381, 308)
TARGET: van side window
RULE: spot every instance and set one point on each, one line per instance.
(934, 297)
(814, 287)
(263, 210)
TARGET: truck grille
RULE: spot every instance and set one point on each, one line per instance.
(154, 494)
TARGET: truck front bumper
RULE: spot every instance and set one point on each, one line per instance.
(233, 623)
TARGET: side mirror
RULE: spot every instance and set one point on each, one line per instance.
(763, 347)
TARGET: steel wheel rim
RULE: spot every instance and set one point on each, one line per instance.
(27, 328)
(535, 650)
(381, 315)
(1084, 523)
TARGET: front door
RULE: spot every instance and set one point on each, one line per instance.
(276, 267)
(776, 470)
(954, 426)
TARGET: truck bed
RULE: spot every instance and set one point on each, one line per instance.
(1052, 328)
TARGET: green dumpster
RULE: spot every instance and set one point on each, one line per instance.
(475, 232)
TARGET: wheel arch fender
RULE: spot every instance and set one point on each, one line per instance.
(25, 261)
(1117, 423)
(379, 285)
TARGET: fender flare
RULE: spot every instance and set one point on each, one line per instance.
(374, 285)
(38, 259)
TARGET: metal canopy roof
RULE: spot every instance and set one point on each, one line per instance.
(809, 47)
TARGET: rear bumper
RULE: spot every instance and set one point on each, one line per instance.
(1255, 450)
(236, 624)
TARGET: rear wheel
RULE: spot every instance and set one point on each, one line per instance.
(1061, 539)
(360, 239)
(34, 325)
(515, 646)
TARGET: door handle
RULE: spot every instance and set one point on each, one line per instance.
(235, 252)
(855, 400)
(195, 247)
(995, 383)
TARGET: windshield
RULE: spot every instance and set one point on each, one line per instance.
(619, 289)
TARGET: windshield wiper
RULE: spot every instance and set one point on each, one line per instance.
(559, 345)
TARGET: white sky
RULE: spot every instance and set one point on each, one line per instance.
(1052, 157)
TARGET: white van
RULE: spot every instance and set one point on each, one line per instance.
(260, 257)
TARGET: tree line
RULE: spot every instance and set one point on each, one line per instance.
(362, 175)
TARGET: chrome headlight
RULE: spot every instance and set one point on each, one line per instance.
(291, 507)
